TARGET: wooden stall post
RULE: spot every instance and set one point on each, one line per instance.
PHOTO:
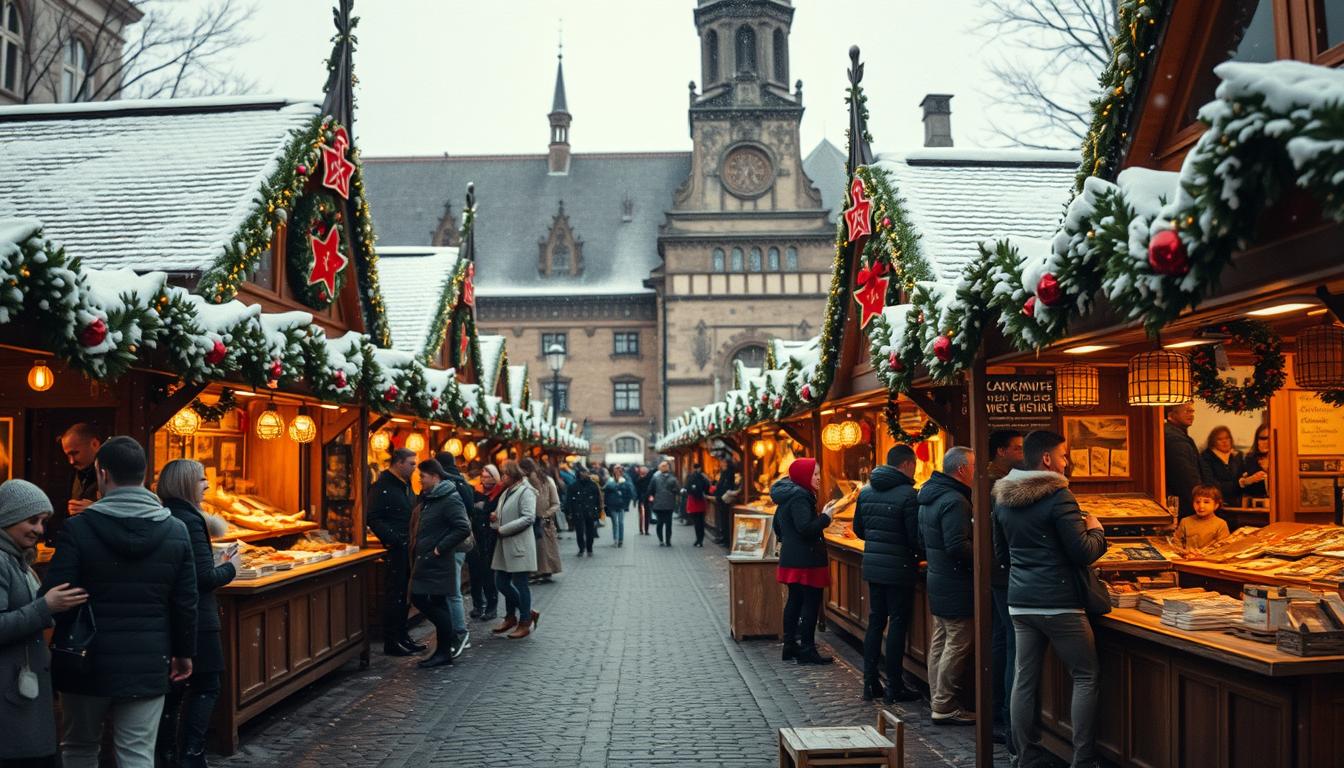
(983, 556)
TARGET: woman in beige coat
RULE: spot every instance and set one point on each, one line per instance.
(516, 551)
(548, 508)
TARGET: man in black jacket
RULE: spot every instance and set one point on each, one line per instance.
(725, 494)
(642, 479)
(945, 525)
(389, 516)
(583, 505)
(887, 519)
(134, 559)
(79, 443)
(1184, 469)
(1049, 541)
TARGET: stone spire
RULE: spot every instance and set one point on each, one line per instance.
(558, 155)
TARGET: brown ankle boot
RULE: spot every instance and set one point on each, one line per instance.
(524, 629)
(510, 622)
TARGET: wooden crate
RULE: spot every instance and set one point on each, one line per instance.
(755, 599)
(844, 745)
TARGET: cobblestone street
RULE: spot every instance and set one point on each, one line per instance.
(632, 666)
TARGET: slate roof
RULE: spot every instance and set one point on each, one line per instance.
(516, 200)
(958, 198)
(825, 166)
(413, 280)
(158, 185)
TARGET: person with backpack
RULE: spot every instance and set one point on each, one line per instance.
(697, 501)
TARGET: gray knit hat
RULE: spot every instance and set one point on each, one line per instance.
(20, 500)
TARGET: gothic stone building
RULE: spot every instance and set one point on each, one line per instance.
(654, 270)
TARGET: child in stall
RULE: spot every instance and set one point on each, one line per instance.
(1203, 528)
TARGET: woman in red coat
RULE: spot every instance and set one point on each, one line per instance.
(802, 557)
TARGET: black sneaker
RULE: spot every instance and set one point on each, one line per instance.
(475, 613)
(462, 644)
(790, 651)
(872, 690)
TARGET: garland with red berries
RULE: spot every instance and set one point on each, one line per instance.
(1267, 379)
(317, 218)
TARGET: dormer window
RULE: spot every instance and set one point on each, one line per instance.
(561, 251)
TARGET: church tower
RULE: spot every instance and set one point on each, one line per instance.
(748, 245)
(558, 152)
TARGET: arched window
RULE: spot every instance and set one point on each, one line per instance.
(781, 51)
(736, 265)
(560, 259)
(627, 444)
(717, 264)
(791, 259)
(711, 57)
(11, 46)
(755, 260)
(772, 260)
(74, 72)
(746, 50)
(752, 356)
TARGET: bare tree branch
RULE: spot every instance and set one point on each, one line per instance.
(1071, 41)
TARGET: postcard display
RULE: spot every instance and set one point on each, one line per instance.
(298, 608)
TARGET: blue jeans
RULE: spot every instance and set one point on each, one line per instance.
(517, 594)
(455, 597)
(617, 524)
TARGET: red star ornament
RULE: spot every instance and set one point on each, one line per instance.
(859, 216)
(462, 347)
(328, 260)
(336, 169)
(872, 296)
(469, 287)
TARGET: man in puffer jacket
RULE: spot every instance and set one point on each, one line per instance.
(887, 519)
(1048, 540)
(945, 524)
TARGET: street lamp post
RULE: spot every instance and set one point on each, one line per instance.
(555, 358)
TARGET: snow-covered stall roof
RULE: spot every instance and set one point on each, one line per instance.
(161, 185)
(413, 280)
(957, 198)
(492, 352)
(517, 383)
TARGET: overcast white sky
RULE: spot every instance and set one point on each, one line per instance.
(471, 77)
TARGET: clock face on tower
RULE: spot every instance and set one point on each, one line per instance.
(747, 171)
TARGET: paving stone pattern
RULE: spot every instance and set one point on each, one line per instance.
(632, 666)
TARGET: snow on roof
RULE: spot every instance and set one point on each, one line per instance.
(492, 350)
(160, 185)
(958, 198)
(517, 380)
(412, 280)
(506, 291)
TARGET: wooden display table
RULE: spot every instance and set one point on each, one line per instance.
(755, 599)
(285, 631)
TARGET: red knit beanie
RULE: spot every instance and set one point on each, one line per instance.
(800, 472)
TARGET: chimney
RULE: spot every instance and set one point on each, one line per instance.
(937, 119)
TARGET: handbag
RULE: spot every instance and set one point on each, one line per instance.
(72, 650)
(467, 544)
(1096, 598)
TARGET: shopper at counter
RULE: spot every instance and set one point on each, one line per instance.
(1184, 468)
(1005, 453)
(389, 517)
(79, 443)
(25, 686)
(135, 561)
(515, 552)
(803, 563)
(945, 526)
(725, 496)
(1258, 460)
(1225, 467)
(484, 593)
(697, 501)
(443, 526)
(187, 710)
(664, 489)
(887, 519)
(1040, 530)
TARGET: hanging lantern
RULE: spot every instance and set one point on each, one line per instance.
(1160, 377)
(758, 449)
(270, 424)
(415, 442)
(302, 429)
(851, 434)
(185, 422)
(40, 377)
(831, 437)
(453, 446)
(469, 451)
(379, 442)
(1318, 362)
(769, 445)
(1077, 387)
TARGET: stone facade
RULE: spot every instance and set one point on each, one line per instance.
(61, 50)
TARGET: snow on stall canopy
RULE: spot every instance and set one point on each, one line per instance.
(492, 351)
(517, 381)
(143, 184)
(412, 280)
(956, 198)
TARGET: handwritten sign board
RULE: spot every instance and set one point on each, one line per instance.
(1023, 403)
(1320, 426)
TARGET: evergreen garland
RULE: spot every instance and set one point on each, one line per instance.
(1267, 379)
(316, 214)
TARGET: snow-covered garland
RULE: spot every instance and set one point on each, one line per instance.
(1153, 243)
(103, 322)
(1226, 395)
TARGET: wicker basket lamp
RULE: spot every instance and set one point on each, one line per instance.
(1077, 387)
(1160, 377)
(1318, 362)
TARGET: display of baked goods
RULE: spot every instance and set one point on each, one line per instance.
(249, 513)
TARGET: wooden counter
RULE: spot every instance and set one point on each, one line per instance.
(846, 605)
(285, 631)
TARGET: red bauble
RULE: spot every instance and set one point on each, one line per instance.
(748, 410)
(806, 392)
(340, 379)
(217, 353)
(1166, 254)
(302, 169)
(466, 412)
(1048, 291)
(778, 402)
(434, 404)
(390, 395)
(94, 333)
(886, 222)
(277, 370)
(923, 452)
(942, 348)
(1029, 306)
(894, 362)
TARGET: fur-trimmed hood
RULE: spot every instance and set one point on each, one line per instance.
(1022, 488)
